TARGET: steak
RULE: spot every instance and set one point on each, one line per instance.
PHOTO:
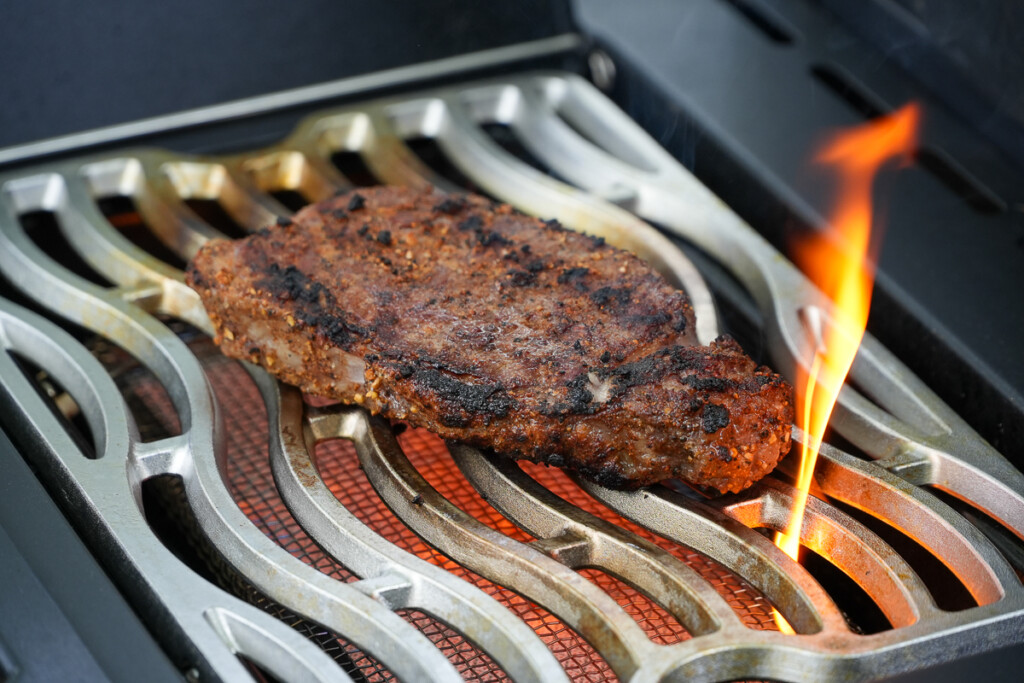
(503, 331)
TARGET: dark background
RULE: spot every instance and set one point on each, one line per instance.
(68, 66)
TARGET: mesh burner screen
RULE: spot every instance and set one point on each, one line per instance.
(252, 486)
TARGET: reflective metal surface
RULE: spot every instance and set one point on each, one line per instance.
(619, 176)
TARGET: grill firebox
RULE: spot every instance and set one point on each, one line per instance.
(564, 579)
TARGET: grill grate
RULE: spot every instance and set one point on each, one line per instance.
(659, 582)
(251, 484)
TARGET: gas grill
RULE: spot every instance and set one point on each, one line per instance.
(171, 513)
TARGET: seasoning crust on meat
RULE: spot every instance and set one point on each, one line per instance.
(487, 326)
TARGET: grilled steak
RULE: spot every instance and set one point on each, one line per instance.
(497, 329)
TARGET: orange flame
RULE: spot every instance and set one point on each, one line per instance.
(781, 622)
(838, 263)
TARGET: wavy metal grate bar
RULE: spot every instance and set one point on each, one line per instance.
(915, 439)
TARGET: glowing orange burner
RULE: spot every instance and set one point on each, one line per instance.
(839, 264)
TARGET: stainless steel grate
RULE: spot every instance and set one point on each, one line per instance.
(514, 561)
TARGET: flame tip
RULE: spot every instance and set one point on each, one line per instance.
(841, 268)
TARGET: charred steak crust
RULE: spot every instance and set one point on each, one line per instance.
(487, 326)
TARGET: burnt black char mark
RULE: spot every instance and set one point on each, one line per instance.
(575, 276)
(608, 475)
(487, 400)
(686, 363)
(451, 205)
(357, 202)
(521, 278)
(579, 398)
(535, 266)
(292, 284)
(315, 305)
(472, 224)
(714, 417)
(606, 295)
(487, 239)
